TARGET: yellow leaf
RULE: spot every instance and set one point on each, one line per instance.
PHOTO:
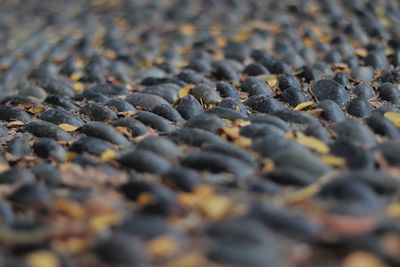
(68, 127)
(15, 123)
(215, 207)
(78, 87)
(180, 63)
(393, 210)
(79, 63)
(242, 36)
(394, 117)
(108, 155)
(268, 166)
(362, 259)
(312, 143)
(4, 167)
(124, 130)
(243, 142)
(333, 161)
(72, 245)
(37, 109)
(185, 90)
(162, 246)
(42, 258)
(75, 76)
(361, 52)
(303, 194)
(70, 155)
(145, 198)
(69, 207)
(303, 105)
(315, 112)
(104, 221)
(187, 29)
(204, 190)
(221, 41)
(190, 260)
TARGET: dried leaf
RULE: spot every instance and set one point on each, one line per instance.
(190, 260)
(333, 161)
(243, 142)
(268, 166)
(232, 132)
(104, 221)
(215, 207)
(361, 52)
(145, 198)
(394, 117)
(315, 112)
(187, 29)
(362, 259)
(179, 63)
(393, 210)
(303, 194)
(242, 36)
(42, 258)
(78, 87)
(4, 167)
(15, 123)
(75, 76)
(70, 155)
(272, 80)
(185, 90)
(69, 207)
(72, 245)
(37, 109)
(162, 246)
(312, 143)
(108, 155)
(68, 127)
(303, 105)
(124, 130)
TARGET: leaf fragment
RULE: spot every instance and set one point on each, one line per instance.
(312, 143)
(394, 117)
(68, 127)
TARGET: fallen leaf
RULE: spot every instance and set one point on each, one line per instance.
(393, 210)
(37, 109)
(75, 76)
(69, 207)
(78, 87)
(189, 260)
(215, 207)
(42, 258)
(4, 167)
(302, 194)
(394, 117)
(362, 259)
(15, 123)
(243, 142)
(108, 155)
(312, 143)
(303, 105)
(268, 166)
(185, 90)
(361, 52)
(242, 36)
(162, 246)
(315, 112)
(187, 29)
(333, 160)
(124, 130)
(68, 127)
